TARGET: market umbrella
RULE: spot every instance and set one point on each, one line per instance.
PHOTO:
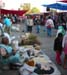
(59, 6)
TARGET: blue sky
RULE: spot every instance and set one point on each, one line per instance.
(14, 4)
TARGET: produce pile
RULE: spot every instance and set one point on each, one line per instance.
(29, 39)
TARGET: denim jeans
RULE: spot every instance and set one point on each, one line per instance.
(49, 31)
(38, 28)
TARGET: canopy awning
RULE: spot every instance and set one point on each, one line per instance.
(57, 6)
(17, 12)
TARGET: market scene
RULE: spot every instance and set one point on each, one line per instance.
(33, 37)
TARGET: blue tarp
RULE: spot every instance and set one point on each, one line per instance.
(57, 6)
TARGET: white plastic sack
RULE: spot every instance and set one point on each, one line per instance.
(15, 28)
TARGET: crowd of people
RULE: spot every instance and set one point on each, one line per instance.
(13, 56)
(60, 42)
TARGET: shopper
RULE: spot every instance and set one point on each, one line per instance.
(58, 47)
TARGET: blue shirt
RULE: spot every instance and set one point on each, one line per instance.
(7, 22)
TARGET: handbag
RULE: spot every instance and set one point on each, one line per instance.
(49, 26)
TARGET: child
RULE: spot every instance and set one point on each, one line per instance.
(58, 47)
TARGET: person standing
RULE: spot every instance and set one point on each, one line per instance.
(64, 45)
(7, 22)
(60, 30)
(58, 47)
(29, 23)
(38, 24)
(49, 25)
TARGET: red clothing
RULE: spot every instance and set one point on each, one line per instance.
(58, 55)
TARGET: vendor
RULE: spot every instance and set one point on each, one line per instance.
(12, 56)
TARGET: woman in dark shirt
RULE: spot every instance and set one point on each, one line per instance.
(58, 47)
